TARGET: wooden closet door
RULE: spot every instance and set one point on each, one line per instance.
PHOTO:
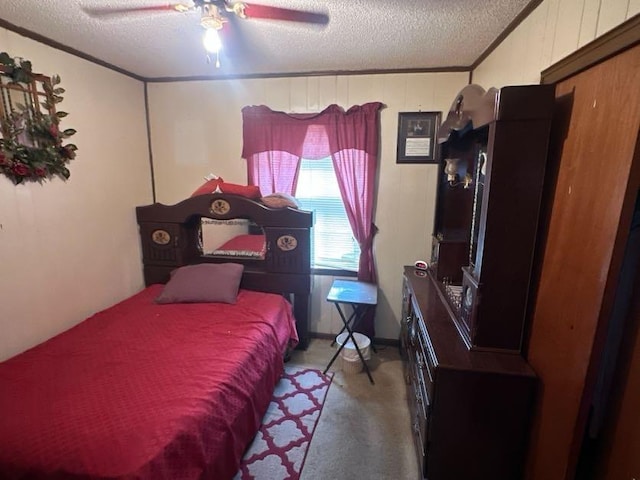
(588, 223)
(619, 457)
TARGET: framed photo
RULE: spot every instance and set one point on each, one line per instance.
(417, 141)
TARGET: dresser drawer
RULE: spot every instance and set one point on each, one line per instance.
(427, 364)
(420, 386)
(420, 431)
(418, 440)
(420, 419)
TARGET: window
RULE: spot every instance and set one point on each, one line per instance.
(332, 241)
(274, 144)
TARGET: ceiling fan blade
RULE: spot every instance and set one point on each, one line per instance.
(276, 13)
(104, 11)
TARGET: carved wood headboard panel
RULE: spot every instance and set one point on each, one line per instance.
(170, 237)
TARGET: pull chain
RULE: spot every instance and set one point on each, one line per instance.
(217, 59)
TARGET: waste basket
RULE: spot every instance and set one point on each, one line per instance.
(349, 355)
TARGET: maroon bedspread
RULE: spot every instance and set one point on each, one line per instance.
(144, 391)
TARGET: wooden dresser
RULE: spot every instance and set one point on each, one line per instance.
(470, 409)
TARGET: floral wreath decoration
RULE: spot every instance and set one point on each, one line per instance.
(31, 145)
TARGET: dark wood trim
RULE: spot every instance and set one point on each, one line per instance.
(506, 32)
(52, 43)
(624, 36)
(148, 123)
(59, 46)
(334, 272)
(392, 342)
(200, 78)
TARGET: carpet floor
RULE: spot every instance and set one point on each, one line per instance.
(365, 430)
(280, 447)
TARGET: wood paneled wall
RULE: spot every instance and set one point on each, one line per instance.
(196, 128)
(69, 249)
(553, 30)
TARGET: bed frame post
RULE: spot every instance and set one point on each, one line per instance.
(301, 310)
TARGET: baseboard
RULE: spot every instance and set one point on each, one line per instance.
(392, 342)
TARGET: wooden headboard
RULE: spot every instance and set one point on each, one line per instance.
(170, 236)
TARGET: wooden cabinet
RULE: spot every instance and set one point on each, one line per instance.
(470, 410)
(493, 156)
(471, 394)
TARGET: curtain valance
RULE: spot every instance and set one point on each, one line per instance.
(269, 130)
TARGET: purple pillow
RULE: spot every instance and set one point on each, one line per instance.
(203, 283)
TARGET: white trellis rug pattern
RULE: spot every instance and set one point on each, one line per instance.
(280, 447)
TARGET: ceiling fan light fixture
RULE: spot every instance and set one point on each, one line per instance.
(211, 17)
(214, 14)
(211, 40)
(237, 8)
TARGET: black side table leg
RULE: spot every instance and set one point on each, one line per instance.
(349, 336)
(364, 363)
(345, 322)
(333, 359)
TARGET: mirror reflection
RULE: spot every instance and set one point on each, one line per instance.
(237, 238)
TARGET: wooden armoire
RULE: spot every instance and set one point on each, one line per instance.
(471, 393)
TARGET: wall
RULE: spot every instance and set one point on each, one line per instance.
(196, 128)
(554, 30)
(58, 238)
(69, 249)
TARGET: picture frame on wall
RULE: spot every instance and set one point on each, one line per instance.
(417, 137)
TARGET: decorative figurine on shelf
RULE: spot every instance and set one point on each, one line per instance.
(452, 168)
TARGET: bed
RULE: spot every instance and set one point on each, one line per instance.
(171, 237)
(152, 390)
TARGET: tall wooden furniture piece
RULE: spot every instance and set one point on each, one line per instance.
(487, 212)
(470, 392)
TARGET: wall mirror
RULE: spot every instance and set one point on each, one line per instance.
(238, 238)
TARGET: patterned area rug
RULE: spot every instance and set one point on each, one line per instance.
(280, 447)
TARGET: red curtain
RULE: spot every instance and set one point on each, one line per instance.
(267, 130)
(273, 171)
(356, 177)
(274, 142)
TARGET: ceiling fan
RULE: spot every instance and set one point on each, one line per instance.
(214, 14)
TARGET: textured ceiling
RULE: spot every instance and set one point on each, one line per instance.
(362, 35)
